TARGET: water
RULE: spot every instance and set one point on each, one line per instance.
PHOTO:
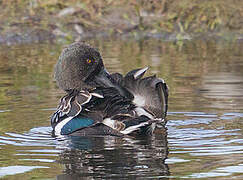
(202, 139)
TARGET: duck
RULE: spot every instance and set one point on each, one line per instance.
(100, 103)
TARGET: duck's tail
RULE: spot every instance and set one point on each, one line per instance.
(150, 93)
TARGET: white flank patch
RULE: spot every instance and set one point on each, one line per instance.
(109, 122)
(139, 100)
(133, 128)
(60, 125)
(140, 111)
(139, 72)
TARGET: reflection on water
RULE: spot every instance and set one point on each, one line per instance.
(204, 121)
(115, 157)
(89, 156)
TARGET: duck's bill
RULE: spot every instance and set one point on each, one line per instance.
(99, 77)
(104, 79)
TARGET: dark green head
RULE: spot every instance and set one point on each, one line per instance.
(77, 66)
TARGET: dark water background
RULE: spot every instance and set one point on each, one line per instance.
(203, 138)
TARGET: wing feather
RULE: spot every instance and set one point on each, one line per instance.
(70, 106)
(150, 93)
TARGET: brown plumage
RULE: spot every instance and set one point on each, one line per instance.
(73, 68)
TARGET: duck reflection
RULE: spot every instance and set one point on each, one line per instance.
(114, 157)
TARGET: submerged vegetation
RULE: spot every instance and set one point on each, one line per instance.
(160, 18)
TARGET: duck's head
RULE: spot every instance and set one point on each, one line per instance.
(80, 67)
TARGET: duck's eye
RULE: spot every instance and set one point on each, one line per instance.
(89, 61)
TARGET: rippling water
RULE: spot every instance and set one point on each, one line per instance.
(202, 139)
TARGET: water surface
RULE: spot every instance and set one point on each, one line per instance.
(202, 139)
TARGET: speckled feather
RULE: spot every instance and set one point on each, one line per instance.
(67, 75)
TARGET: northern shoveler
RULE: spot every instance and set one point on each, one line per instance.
(100, 103)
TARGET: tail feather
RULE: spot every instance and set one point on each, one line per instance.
(150, 93)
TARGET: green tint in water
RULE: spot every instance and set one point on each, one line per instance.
(205, 79)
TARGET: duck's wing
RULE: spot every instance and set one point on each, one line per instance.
(67, 118)
(150, 93)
